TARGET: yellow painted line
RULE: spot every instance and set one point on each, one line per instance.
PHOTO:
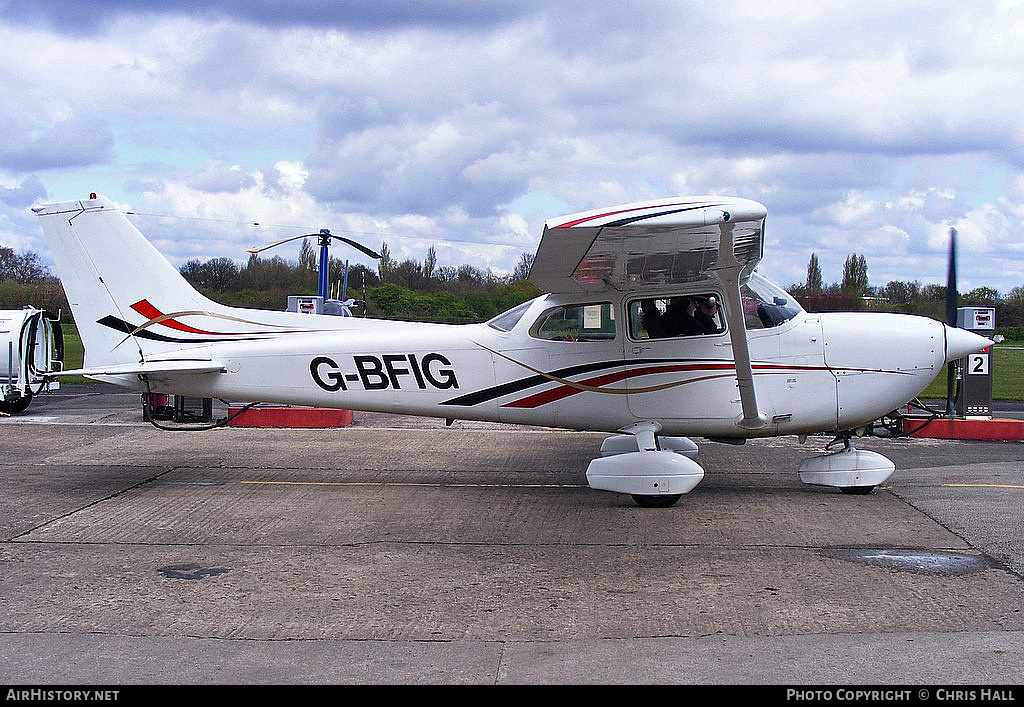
(986, 486)
(406, 483)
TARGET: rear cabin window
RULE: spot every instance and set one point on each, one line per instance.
(667, 317)
(576, 322)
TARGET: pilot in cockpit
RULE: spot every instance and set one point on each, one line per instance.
(706, 314)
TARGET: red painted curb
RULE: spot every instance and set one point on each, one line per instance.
(260, 416)
(994, 430)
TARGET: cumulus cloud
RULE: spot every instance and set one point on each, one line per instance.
(864, 127)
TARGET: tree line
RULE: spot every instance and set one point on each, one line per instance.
(854, 292)
(427, 291)
(408, 289)
(24, 280)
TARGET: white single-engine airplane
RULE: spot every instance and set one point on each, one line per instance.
(655, 326)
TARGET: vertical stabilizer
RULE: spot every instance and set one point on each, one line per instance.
(115, 280)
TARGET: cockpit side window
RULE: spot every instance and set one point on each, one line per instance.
(576, 322)
(667, 317)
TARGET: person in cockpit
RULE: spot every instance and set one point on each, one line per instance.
(706, 314)
(650, 319)
(679, 319)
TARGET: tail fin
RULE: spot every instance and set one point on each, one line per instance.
(116, 282)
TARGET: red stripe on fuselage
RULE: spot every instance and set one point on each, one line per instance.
(550, 396)
(564, 391)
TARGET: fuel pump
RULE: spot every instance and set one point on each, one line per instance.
(975, 398)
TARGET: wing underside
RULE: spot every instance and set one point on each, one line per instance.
(646, 245)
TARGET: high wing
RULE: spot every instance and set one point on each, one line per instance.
(655, 244)
(646, 244)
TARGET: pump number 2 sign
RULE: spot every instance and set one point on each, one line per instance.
(977, 364)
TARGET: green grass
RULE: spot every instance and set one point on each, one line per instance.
(1008, 372)
(74, 353)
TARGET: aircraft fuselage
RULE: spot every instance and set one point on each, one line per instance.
(813, 372)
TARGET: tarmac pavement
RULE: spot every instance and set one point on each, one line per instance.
(399, 550)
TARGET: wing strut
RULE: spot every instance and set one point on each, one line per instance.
(728, 271)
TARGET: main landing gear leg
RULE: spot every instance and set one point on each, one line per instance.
(654, 470)
(852, 471)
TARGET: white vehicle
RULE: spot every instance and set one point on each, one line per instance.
(588, 356)
(31, 350)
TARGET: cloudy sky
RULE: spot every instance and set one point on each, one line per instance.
(863, 126)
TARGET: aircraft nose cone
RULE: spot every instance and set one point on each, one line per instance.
(960, 342)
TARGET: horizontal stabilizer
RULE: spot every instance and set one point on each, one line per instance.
(147, 368)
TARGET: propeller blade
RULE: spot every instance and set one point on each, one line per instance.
(951, 293)
(951, 302)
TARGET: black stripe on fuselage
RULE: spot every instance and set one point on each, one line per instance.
(482, 396)
(124, 327)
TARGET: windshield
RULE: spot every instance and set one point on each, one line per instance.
(765, 304)
(507, 320)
